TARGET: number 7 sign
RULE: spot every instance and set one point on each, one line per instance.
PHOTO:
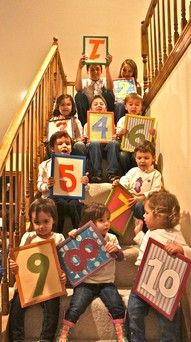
(96, 49)
(67, 171)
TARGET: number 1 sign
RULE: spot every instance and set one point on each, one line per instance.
(67, 171)
(96, 49)
(161, 278)
(100, 126)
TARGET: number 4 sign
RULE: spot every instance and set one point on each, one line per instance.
(96, 49)
(161, 278)
(100, 126)
(67, 171)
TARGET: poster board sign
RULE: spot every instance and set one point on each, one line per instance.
(83, 255)
(161, 278)
(121, 214)
(139, 128)
(96, 49)
(100, 126)
(67, 171)
(38, 277)
(122, 87)
(60, 125)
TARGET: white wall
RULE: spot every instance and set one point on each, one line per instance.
(28, 26)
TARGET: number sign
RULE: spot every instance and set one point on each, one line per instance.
(60, 125)
(161, 278)
(38, 277)
(121, 214)
(83, 255)
(138, 130)
(96, 49)
(122, 87)
(100, 126)
(67, 171)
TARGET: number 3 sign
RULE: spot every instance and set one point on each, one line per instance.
(161, 278)
(38, 277)
(100, 126)
(67, 171)
(96, 49)
(138, 130)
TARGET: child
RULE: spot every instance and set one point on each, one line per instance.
(65, 109)
(43, 220)
(142, 180)
(128, 69)
(162, 214)
(60, 142)
(96, 151)
(94, 85)
(100, 283)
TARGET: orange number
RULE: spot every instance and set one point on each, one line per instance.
(71, 177)
(96, 43)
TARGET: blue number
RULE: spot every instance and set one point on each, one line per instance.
(100, 126)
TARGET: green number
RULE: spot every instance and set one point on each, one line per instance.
(133, 136)
(38, 263)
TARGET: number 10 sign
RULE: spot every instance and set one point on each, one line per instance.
(161, 278)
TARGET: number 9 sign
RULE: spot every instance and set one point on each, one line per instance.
(138, 128)
(38, 277)
(161, 278)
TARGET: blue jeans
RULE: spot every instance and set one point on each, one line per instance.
(119, 111)
(85, 293)
(97, 151)
(138, 309)
(139, 212)
(127, 161)
(50, 319)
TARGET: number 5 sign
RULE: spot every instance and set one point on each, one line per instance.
(138, 128)
(96, 49)
(38, 277)
(67, 171)
(161, 278)
(100, 126)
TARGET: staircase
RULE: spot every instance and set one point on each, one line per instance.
(95, 324)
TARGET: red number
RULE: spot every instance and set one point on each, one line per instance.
(70, 176)
(96, 43)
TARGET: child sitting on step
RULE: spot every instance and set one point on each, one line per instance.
(96, 151)
(100, 283)
(142, 180)
(43, 220)
(162, 214)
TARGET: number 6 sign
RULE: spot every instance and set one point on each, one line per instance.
(100, 126)
(67, 171)
(161, 278)
(138, 130)
(38, 277)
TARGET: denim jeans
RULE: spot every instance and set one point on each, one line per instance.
(97, 151)
(127, 161)
(139, 212)
(50, 319)
(138, 309)
(119, 111)
(85, 293)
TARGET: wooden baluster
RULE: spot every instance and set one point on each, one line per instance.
(17, 191)
(159, 37)
(190, 10)
(144, 49)
(23, 171)
(183, 14)
(155, 45)
(152, 58)
(27, 132)
(169, 28)
(164, 32)
(36, 140)
(11, 213)
(176, 34)
(31, 149)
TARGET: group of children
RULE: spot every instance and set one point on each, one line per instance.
(156, 211)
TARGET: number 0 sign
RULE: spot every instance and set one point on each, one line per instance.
(161, 278)
(138, 130)
(67, 171)
(100, 126)
(38, 278)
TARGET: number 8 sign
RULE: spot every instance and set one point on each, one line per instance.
(161, 278)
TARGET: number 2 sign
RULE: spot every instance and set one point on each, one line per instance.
(161, 278)
(100, 126)
(38, 277)
(96, 49)
(138, 128)
(67, 171)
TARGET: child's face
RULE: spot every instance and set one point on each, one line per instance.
(62, 145)
(144, 160)
(127, 71)
(65, 107)
(133, 106)
(103, 224)
(95, 72)
(98, 105)
(152, 221)
(42, 224)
